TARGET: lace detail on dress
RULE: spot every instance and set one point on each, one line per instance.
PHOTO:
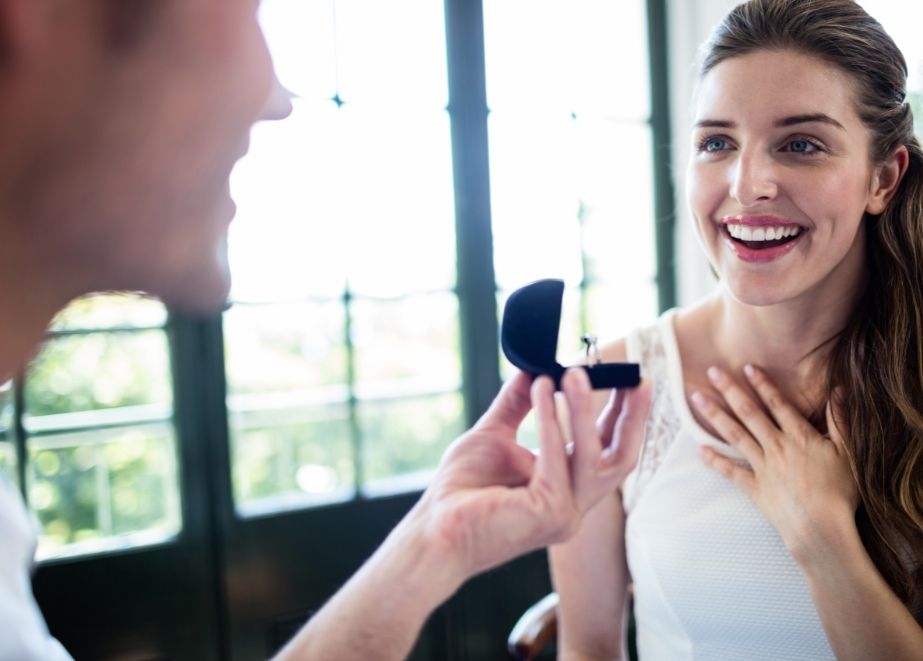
(663, 424)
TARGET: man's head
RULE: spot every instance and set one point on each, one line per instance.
(120, 122)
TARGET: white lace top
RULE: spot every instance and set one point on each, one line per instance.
(712, 578)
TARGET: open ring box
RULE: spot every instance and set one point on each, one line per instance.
(529, 338)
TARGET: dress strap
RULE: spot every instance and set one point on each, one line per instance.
(647, 346)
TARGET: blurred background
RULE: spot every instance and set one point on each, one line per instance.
(233, 471)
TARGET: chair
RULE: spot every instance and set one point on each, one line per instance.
(538, 627)
(535, 629)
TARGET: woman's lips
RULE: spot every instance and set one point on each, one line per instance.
(759, 255)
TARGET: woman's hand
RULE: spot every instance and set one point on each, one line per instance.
(800, 480)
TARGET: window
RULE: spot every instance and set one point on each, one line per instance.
(96, 450)
(342, 359)
(571, 160)
(345, 345)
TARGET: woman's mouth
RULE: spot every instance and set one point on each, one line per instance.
(761, 243)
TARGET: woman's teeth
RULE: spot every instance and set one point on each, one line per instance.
(747, 233)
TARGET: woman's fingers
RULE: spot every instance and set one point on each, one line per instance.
(789, 418)
(728, 428)
(742, 476)
(743, 406)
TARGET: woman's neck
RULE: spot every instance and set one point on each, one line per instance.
(790, 340)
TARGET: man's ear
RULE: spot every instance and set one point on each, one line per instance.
(886, 179)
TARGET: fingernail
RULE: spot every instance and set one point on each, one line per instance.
(749, 371)
(715, 375)
(699, 399)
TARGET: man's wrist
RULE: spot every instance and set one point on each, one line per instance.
(426, 571)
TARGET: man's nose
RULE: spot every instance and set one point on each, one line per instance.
(279, 104)
(753, 178)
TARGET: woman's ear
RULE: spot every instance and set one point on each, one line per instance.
(886, 179)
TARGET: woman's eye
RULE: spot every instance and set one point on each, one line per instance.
(713, 144)
(801, 146)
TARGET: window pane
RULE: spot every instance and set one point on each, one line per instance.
(534, 198)
(7, 451)
(291, 456)
(302, 41)
(335, 195)
(286, 190)
(392, 52)
(616, 189)
(404, 439)
(407, 346)
(111, 310)
(286, 348)
(567, 56)
(104, 489)
(396, 201)
(99, 371)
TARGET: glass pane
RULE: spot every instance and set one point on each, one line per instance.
(334, 195)
(111, 310)
(613, 310)
(287, 241)
(616, 189)
(535, 199)
(392, 52)
(396, 201)
(302, 40)
(99, 371)
(292, 348)
(291, 456)
(104, 489)
(404, 439)
(407, 346)
(567, 56)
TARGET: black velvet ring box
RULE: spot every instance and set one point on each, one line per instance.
(529, 338)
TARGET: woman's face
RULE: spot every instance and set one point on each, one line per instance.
(780, 178)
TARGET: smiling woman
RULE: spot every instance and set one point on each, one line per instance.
(805, 185)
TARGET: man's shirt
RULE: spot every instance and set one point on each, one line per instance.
(23, 633)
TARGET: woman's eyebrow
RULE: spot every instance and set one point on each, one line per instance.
(808, 119)
(792, 120)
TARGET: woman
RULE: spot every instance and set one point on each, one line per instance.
(777, 508)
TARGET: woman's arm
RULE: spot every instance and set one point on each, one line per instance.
(862, 616)
(590, 574)
(803, 484)
(591, 579)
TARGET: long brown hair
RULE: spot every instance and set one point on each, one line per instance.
(876, 362)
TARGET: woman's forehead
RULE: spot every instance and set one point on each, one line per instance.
(773, 84)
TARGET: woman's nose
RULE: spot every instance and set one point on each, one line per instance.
(753, 179)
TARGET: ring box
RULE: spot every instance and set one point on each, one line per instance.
(529, 338)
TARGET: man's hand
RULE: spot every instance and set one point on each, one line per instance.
(492, 500)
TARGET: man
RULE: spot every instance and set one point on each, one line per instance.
(120, 121)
